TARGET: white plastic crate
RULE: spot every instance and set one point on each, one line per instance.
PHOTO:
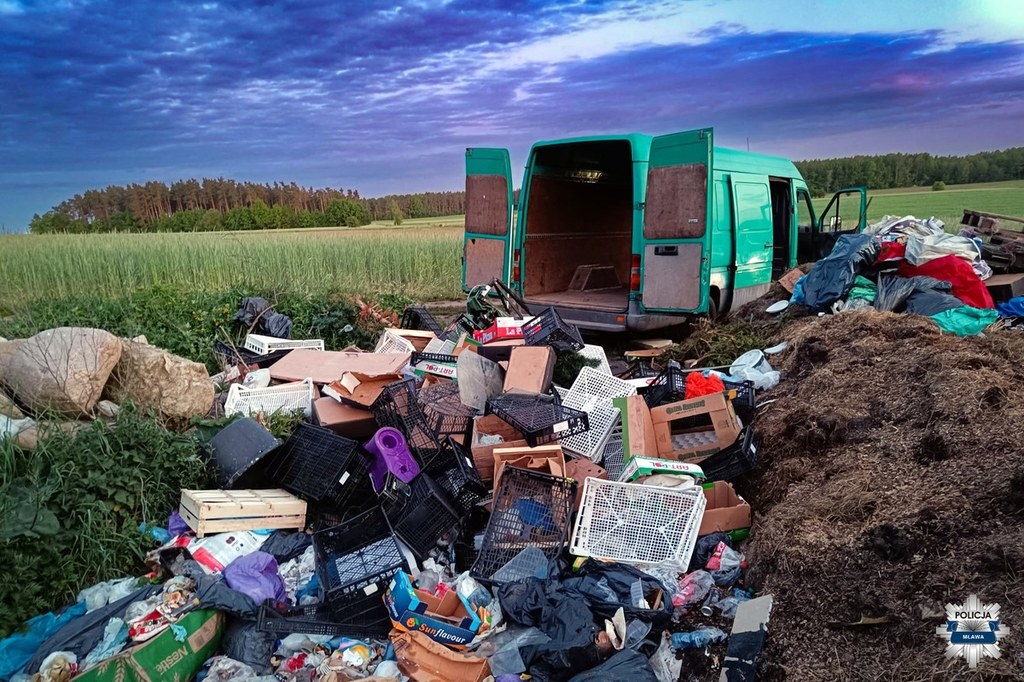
(291, 397)
(393, 343)
(593, 388)
(614, 457)
(597, 353)
(638, 524)
(269, 344)
(591, 443)
(440, 347)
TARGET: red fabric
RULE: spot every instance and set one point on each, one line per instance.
(697, 385)
(891, 251)
(967, 286)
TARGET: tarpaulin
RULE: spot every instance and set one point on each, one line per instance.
(893, 290)
(965, 320)
(832, 277)
(606, 587)
(921, 250)
(624, 665)
(908, 225)
(967, 286)
(1012, 308)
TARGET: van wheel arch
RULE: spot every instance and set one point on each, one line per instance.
(714, 303)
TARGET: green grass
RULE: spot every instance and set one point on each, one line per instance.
(458, 221)
(421, 263)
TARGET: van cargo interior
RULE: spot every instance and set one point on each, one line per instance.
(578, 234)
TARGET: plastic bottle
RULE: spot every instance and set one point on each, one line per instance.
(698, 639)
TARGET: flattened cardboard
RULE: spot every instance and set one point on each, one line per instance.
(1004, 287)
(548, 459)
(424, 660)
(163, 657)
(725, 510)
(530, 369)
(448, 620)
(715, 407)
(483, 455)
(638, 437)
(344, 420)
(359, 389)
(326, 366)
(580, 469)
(746, 639)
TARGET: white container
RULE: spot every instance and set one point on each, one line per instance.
(269, 344)
(293, 397)
(754, 359)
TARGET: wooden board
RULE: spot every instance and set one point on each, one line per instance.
(220, 511)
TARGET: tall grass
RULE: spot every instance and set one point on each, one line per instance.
(423, 264)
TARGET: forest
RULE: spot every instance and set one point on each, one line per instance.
(218, 204)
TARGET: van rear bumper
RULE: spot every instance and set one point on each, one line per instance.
(633, 320)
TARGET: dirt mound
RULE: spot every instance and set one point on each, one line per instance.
(891, 483)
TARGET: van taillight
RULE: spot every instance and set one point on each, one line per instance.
(515, 265)
(634, 273)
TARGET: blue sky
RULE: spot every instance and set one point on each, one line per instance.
(384, 97)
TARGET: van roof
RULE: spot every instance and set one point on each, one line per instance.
(725, 158)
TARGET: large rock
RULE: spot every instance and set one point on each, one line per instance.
(8, 408)
(157, 380)
(63, 370)
(7, 349)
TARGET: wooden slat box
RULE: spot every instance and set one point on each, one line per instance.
(220, 511)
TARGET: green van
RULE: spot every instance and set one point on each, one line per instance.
(633, 232)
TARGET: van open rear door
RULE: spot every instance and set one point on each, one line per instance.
(485, 254)
(676, 262)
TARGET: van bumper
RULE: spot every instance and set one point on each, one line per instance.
(633, 320)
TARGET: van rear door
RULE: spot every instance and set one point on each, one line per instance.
(677, 223)
(485, 254)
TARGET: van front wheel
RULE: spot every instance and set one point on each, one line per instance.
(713, 306)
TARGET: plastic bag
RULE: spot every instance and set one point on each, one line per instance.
(223, 668)
(762, 380)
(115, 636)
(17, 649)
(255, 575)
(624, 665)
(257, 315)
(965, 320)
(693, 588)
(705, 547)
(698, 639)
(101, 594)
(832, 277)
(967, 286)
(606, 587)
(863, 289)
(931, 302)
(297, 573)
(698, 385)
(1012, 308)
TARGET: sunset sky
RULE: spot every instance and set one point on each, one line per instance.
(384, 98)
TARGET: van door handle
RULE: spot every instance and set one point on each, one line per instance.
(768, 245)
(666, 250)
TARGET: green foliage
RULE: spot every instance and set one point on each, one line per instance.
(396, 213)
(568, 366)
(715, 345)
(88, 494)
(347, 213)
(938, 186)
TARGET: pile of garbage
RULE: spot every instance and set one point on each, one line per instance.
(444, 511)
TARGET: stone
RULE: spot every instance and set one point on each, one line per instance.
(154, 379)
(7, 349)
(108, 409)
(63, 370)
(8, 408)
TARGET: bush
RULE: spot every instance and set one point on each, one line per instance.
(70, 511)
(938, 186)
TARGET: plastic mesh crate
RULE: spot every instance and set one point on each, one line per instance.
(744, 399)
(591, 443)
(323, 467)
(398, 408)
(638, 524)
(597, 353)
(420, 512)
(443, 410)
(439, 346)
(420, 318)
(390, 342)
(285, 398)
(614, 455)
(354, 562)
(230, 355)
(548, 329)
(317, 619)
(670, 386)
(733, 461)
(270, 344)
(455, 472)
(530, 509)
(541, 419)
(593, 388)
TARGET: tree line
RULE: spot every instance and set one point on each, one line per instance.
(884, 171)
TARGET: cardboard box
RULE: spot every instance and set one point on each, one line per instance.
(359, 389)
(424, 660)
(483, 455)
(448, 620)
(548, 459)
(692, 430)
(417, 337)
(638, 437)
(326, 366)
(344, 420)
(640, 466)
(580, 469)
(725, 511)
(1004, 287)
(502, 329)
(530, 369)
(163, 657)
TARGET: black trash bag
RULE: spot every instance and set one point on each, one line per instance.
(81, 635)
(213, 593)
(286, 545)
(894, 291)
(704, 548)
(244, 643)
(562, 616)
(256, 315)
(606, 587)
(832, 277)
(932, 302)
(625, 665)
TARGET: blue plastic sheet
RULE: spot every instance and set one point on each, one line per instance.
(1012, 308)
(16, 650)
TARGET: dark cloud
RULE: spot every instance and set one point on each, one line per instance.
(384, 99)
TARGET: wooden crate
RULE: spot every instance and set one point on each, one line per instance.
(220, 511)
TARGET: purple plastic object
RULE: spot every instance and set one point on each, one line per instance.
(390, 453)
(255, 575)
(176, 525)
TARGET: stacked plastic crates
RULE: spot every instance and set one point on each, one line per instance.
(593, 392)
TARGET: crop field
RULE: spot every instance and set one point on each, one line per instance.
(1006, 198)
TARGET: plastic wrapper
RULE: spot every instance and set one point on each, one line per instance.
(693, 588)
(624, 665)
(698, 639)
(115, 637)
(223, 669)
(297, 573)
(255, 575)
(108, 592)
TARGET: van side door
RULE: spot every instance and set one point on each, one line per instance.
(486, 243)
(754, 238)
(846, 213)
(676, 263)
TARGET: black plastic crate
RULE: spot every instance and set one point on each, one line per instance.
(540, 418)
(419, 318)
(420, 512)
(322, 467)
(744, 400)
(735, 460)
(354, 562)
(441, 358)
(670, 386)
(549, 329)
(317, 619)
(398, 408)
(443, 411)
(455, 472)
(232, 356)
(530, 509)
